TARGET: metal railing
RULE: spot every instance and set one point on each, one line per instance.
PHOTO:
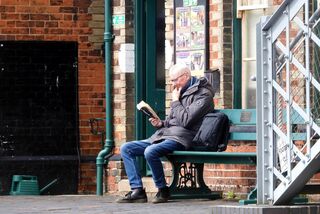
(287, 101)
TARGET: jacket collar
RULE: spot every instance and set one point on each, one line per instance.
(191, 86)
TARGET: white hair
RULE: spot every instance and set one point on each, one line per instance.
(180, 68)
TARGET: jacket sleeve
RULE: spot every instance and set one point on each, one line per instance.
(187, 116)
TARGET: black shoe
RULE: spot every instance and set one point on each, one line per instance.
(162, 196)
(134, 196)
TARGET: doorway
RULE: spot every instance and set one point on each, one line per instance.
(150, 62)
(39, 113)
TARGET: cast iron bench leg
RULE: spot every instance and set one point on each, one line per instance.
(188, 182)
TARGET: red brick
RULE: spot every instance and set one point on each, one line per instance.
(39, 2)
(56, 2)
(15, 2)
(11, 24)
(51, 24)
(56, 16)
(22, 24)
(68, 38)
(68, 10)
(52, 37)
(68, 24)
(15, 31)
(10, 16)
(8, 9)
(39, 17)
(25, 16)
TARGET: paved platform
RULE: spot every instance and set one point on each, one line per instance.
(92, 204)
(78, 204)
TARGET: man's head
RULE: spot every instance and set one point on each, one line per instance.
(179, 74)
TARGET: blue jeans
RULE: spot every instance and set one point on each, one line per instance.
(152, 153)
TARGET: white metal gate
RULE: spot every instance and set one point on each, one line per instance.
(288, 107)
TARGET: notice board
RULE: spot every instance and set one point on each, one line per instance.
(191, 34)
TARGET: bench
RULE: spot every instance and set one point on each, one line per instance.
(188, 182)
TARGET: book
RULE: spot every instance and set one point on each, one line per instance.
(145, 108)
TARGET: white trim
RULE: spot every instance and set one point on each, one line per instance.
(252, 7)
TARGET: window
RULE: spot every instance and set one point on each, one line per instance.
(251, 11)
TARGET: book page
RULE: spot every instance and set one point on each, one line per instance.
(145, 108)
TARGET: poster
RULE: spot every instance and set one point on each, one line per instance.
(197, 39)
(197, 17)
(183, 57)
(197, 61)
(182, 18)
(190, 34)
(183, 41)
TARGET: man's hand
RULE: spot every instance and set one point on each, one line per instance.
(156, 122)
(176, 94)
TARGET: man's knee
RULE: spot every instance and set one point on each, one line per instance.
(150, 153)
(124, 148)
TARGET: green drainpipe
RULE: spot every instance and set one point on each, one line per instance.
(107, 151)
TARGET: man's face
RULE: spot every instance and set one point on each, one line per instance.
(179, 79)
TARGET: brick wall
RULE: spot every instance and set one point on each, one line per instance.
(67, 20)
(220, 49)
(123, 91)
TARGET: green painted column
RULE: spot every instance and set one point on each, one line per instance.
(140, 63)
(140, 67)
(104, 154)
(237, 58)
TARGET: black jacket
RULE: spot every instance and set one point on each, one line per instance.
(186, 115)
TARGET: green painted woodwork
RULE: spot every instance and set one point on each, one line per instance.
(149, 69)
(155, 60)
(237, 58)
(140, 62)
(215, 157)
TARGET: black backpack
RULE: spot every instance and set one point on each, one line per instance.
(213, 133)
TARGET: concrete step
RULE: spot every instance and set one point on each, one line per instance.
(148, 184)
(265, 209)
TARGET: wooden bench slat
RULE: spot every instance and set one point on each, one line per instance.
(214, 157)
(242, 136)
(241, 116)
(215, 154)
(245, 129)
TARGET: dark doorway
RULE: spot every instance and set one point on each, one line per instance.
(150, 63)
(39, 113)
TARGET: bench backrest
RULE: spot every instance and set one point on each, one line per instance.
(243, 123)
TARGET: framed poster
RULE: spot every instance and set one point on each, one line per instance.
(190, 34)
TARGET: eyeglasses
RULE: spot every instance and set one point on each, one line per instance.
(176, 79)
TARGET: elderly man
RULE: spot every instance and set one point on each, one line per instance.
(192, 99)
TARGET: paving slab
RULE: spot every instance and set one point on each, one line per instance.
(101, 204)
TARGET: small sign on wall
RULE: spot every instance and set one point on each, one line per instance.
(118, 20)
(126, 58)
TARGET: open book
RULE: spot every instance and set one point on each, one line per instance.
(145, 108)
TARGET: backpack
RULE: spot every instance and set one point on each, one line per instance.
(213, 133)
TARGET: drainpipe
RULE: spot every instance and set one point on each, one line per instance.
(107, 151)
